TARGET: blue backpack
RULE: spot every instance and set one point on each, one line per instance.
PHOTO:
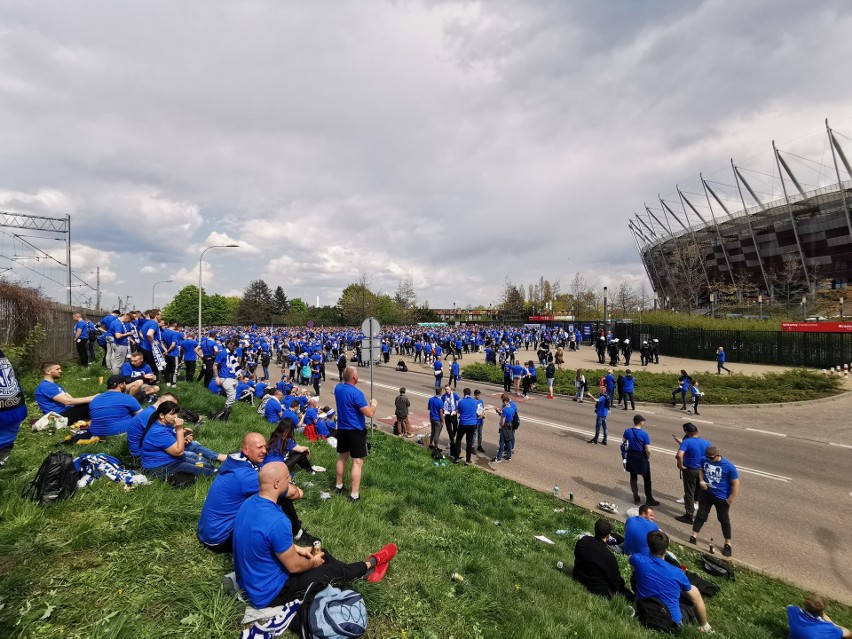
(333, 614)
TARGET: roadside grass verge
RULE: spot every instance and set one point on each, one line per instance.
(117, 564)
(788, 386)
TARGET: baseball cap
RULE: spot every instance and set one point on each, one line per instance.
(689, 427)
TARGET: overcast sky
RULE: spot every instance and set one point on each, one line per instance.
(459, 142)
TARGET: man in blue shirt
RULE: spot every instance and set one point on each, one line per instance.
(50, 396)
(119, 331)
(225, 369)
(13, 408)
(720, 485)
(235, 482)
(655, 577)
(438, 371)
(273, 411)
(601, 413)
(81, 338)
(436, 419)
(720, 361)
(466, 427)
(352, 408)
(811, 622)
(190, 352)
(113, 411)
(689, 457)
(209, 350)
(451, 412)
(269, 567)
(141, 381)
(636, 454)
(636, 531)
(507, 431)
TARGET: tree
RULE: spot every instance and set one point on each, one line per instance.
(579, 289)
(256, 304)
(357, 302)
(297, 314)
(404, 295)
(280, 304)
(183, 308)
(624, 299)
(388, 311)
(512, 301)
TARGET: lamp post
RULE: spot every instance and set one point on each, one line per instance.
(200, 257)
(605, 317)
(713, 305)
(154, 288)
(804, 306)
(454, 313)
(760, 301)
(655, 301)
(841, 309)
(490, 316)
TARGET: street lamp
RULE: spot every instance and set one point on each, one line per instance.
(200, 257)
(804, 306)
(454, 313)
(605, 318)
(655, 301)
(713, 305)
(760, 301)
(841, 309)
(154, 288)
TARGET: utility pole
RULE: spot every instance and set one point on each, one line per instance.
(98, 289)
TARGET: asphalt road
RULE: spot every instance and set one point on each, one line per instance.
(791, 519)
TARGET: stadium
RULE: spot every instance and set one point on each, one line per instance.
(714, 241)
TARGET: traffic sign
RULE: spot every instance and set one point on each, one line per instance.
(371, 326)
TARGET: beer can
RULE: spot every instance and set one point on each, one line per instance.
(100, 380)
(317, 549)
(457, 577)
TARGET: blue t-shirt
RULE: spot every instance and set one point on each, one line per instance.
(467, 411)
(508, 414)
(280, 453)
(83, 328)
(609, 380)
(260, 389)
(637, 439)
(228, 364)
(804, 625)
(694, 449)
(311, 415)
(602, 406)
(636, 531)
(117, 326)
(188, 348)
(291, 415)
(112, 413)
(235, 482)
(720, 356)
(435, 408)
(44, 394)
(130, 372)
(153, 451)
(144, 341)
(137, 427)
(655, 577)
(272, 410)
(349, 401)
(261, 532)
(718, 476)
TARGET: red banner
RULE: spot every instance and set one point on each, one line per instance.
(541, 318)
(817, 327)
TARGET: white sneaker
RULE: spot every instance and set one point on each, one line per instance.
(318, 469)
(680, 501)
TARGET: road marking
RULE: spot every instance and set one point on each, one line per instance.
(588, 433)
(840, 446)
(766, 432)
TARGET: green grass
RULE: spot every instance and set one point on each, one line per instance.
(788, 386)
(111, 563)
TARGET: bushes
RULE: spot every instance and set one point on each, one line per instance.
(794, 385)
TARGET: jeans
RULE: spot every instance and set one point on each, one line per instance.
(179, 466)
(438, 380)
(118, 355)
(197, 450)
(600, 423)
(706, 501)
(479, 424)
(507, 443)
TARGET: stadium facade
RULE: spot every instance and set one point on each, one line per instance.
(706, 243)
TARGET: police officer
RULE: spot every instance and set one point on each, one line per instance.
(209, 350)
(600, 347)
(626, 351)
(655, 350)
(645, 353)
(613, 352)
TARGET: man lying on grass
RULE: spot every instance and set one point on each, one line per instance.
(270, 568)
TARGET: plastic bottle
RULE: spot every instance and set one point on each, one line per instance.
(712, 547)
(556, 491)
(562, 531)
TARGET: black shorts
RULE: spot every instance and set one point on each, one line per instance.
(353, 442)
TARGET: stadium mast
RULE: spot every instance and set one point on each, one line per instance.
(779, 161)
(737, 178)
(839, 151)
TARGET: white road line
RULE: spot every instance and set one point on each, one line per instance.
(840, 446)
(588, 433)
(766, 432)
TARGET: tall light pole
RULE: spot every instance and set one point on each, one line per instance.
(154, 288)
(712, 305)
(454, 313)
(200, 257)
(605, 318)
(760, 301)
(841, 309)
(804, 306)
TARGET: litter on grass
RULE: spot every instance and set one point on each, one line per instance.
(545, 540)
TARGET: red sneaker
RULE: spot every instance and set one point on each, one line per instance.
(383, 558)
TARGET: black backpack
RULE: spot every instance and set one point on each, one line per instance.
(718, 567)
(654, 614)
(55, 480)
(516, 421)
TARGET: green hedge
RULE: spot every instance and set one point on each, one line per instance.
(793, 385)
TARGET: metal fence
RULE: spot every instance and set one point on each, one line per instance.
(812, 350)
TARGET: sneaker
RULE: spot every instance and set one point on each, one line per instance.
(468, 463)
(686, 519)
(592, 441)
(480, 449)
(652, 502)
(636, 499)
(318, 469)
(383, 558)
(680, 501)
(339, 491)
(693, 540)
(508, 459)
(354, 499)
(727, 550)
(496, 460)
(603, 443)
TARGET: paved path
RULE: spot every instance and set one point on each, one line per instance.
(791, 518)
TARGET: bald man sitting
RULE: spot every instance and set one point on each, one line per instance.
(237, 481)
(270, 568)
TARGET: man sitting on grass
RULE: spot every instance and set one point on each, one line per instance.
(811, 622)
(595, 565)
(50, 396)
(113, 411)
(141, 380)
(237, 481)
(655, 577)
(636, 531)
(270, 568)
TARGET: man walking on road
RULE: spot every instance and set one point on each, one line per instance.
(720, 486)
(352, 408)
(689, 457)
(720, 361)
(635, 455)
